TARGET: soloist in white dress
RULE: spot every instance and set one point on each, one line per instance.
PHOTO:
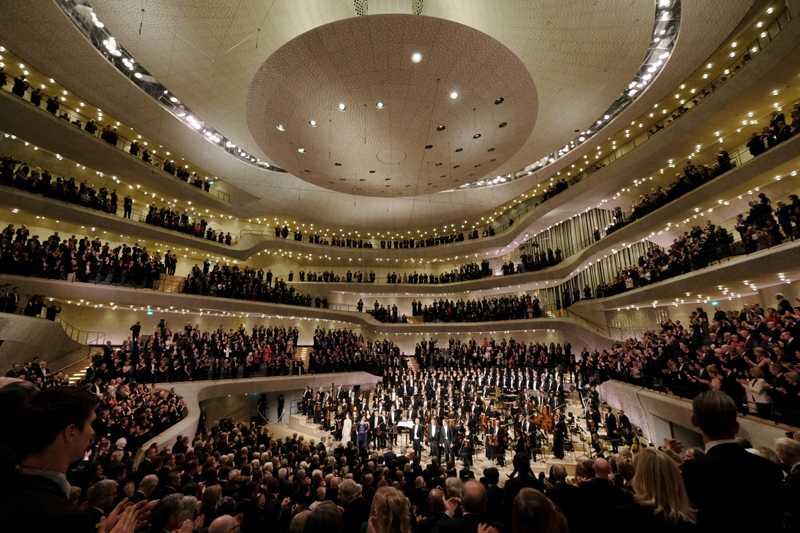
(347, 430)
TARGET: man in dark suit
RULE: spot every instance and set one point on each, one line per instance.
(731, 488)
(433, 440)
(416, 438)
(55, 432)
(473, 503)
(446, 441)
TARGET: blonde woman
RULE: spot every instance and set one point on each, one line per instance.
(390, 513)
(660, 502)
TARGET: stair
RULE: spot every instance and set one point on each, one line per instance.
(77, 377)
(302, 353)
(171, 284)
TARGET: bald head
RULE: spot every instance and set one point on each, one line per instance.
(602, 469)
(474, 499)
(223, 524)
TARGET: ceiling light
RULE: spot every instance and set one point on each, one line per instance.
(759, 24)
(416, 57)
(770, 10)
(379, 104)
(453, 94)
(280, 127)
(710, 65)
(312, 123)
(301, 150)
(499, 100)
(441, 127)
(342, 106)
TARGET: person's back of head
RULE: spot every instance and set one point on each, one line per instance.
(435, 502)
(533, 511)
(658, 483)
(474, 498)
(298, 523)
(391, 511)
(325, 518)
(584, 470)
(224, 524)
(167, 513)
(714, 413)
(558, 474)
(148, 484)
(788, 451)
(349, 490)
(102, 494)
(454, 487)
(602, 469)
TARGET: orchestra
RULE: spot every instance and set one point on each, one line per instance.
(449, 412)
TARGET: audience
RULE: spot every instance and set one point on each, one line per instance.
(185, 223)
(86, 260)
(483, 310)
(344, 351)
(246, 283)
(191, 355)
(753, 355)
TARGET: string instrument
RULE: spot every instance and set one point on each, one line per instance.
(544, 419)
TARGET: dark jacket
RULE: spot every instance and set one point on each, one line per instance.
(34, 504)
(467, 523)
(734, 490)
(635, 518)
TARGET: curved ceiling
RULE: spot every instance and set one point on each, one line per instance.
(391, 105)
(580, 54)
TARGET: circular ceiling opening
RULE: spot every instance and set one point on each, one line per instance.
(375, 110)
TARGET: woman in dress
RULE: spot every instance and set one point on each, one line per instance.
(347, 429)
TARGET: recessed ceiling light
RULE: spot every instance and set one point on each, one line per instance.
(453, 94)
(341, 106)
(476, 136)
(416, 57)
(770, 10)
(312, 123)
(502, 125)
(379, 104)
(441, 127)
(459, 149)
(428, 146)
(301, 150)
(280, 127)
(372, 172)
(499, 100)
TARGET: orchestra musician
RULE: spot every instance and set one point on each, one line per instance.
(433, 440)
(416, 437)
(447, 441)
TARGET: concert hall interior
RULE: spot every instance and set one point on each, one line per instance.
(400, 266)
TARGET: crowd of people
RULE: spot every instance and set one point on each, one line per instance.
(328, 276)
(185, 223)
(84, 259)
(465, 272)
(702, 246)
(483, 310)
(246, 283)
(15, 173)
(345, 351)
(774, 134)
(192, 355)
(753, 355)
(533, 259)
(384, 313)
(108, 133)
(692, 177)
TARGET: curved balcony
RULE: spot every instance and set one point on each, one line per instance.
(605, 180)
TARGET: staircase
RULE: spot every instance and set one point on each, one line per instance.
(302, 353)
(171, 284)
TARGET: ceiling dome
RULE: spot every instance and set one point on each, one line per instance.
(392, 105)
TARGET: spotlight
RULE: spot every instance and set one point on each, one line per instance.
(301, 150)
(416, 57)
(453, 94)
(342, 106)
(379, 104)
(312, 123)
(280, 127)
